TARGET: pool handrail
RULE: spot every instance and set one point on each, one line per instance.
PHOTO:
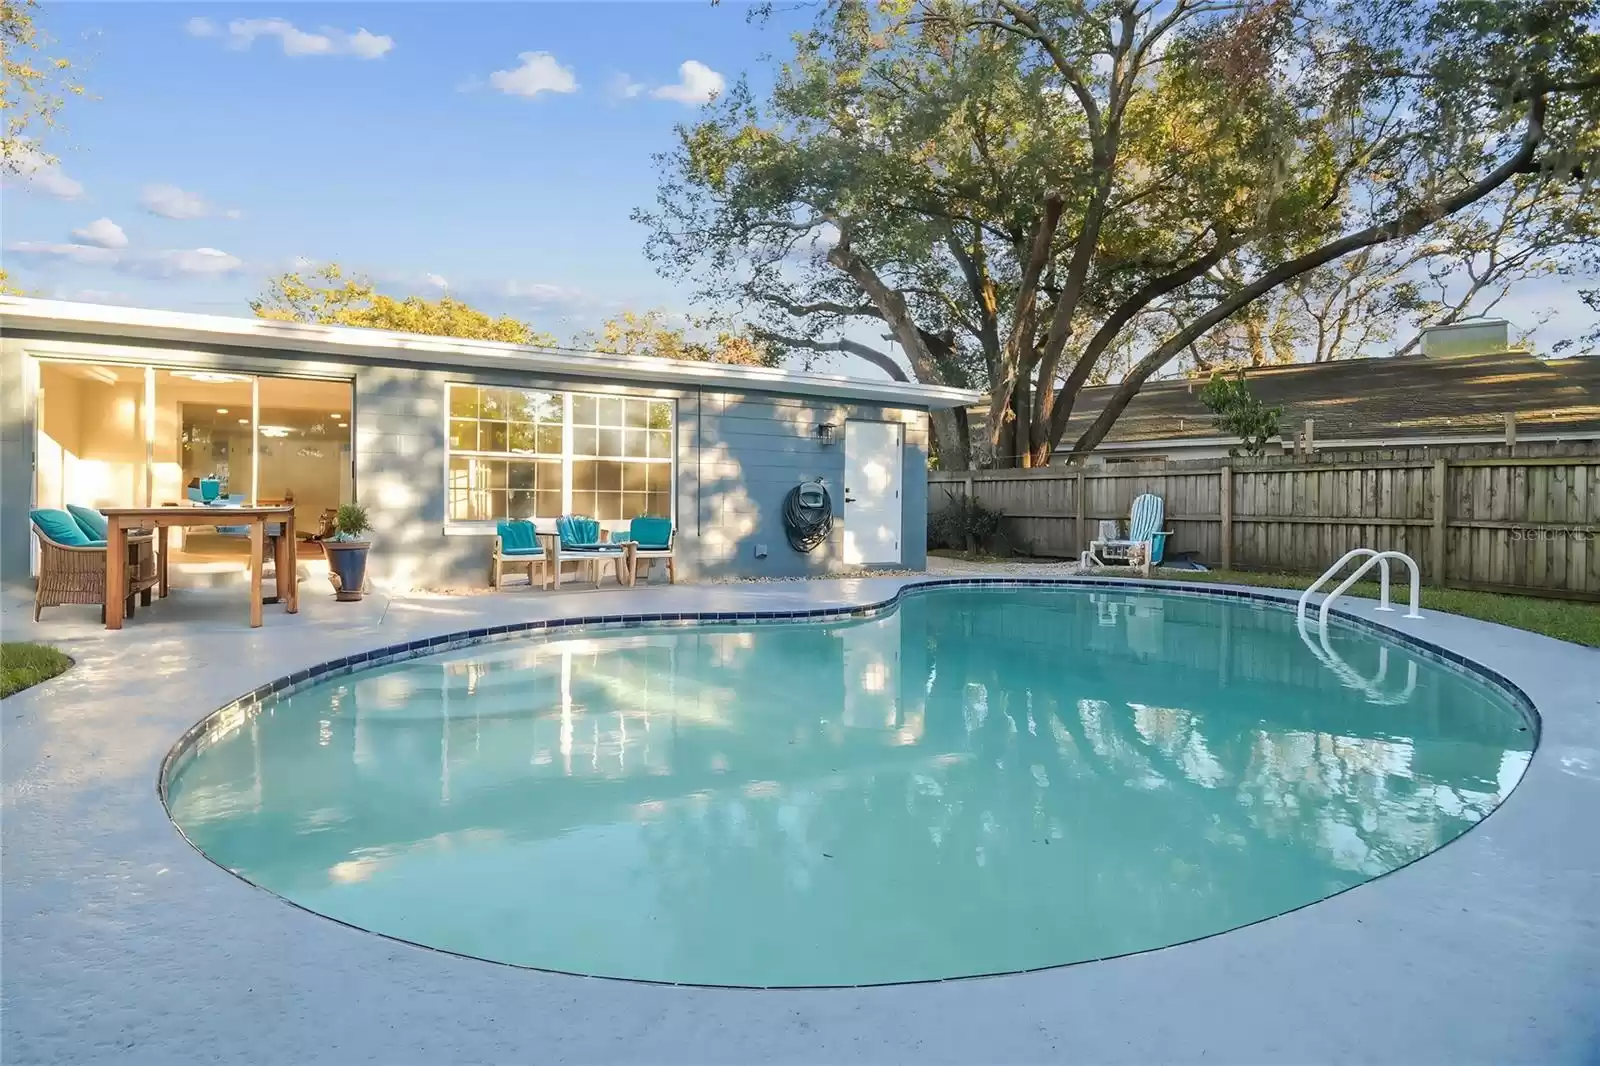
(1374, 557)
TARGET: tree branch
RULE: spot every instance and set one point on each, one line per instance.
(1409, 222)
(882, 360)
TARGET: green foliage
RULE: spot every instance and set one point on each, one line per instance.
(1033, 197)
(326, 294)
(25, 665)
(963, 524)
(649, 334)
(1239, 413)
(33, 90)
(350, 521)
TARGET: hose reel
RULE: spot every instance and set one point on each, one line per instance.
(807, 515)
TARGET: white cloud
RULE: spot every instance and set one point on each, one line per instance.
(176, 262)
(539, 293)
(364, 45)
(242, 33)
(169, 201)
(697, 84)
(233, 212)
(622, 87)
(84, 254)
(35, 170)
(436, 281)
(103, 233)
(202, 261)
(539, 73)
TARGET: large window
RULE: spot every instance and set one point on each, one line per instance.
(519, 453)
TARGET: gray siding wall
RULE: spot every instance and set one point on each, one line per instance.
(738, 455)
(751, 450)
(16, 467)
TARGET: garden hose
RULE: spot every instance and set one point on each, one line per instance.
(807, 523)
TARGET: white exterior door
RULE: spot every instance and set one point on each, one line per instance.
(872, 466)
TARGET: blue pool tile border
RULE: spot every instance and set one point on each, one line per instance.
(229, 716)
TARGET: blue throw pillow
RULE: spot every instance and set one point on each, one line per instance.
(518, 538)
(92, 522)
(651, 534)
(60, 527)
(577, 531)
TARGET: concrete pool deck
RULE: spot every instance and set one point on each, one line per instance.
(120, 942)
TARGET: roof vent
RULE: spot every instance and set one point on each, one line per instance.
(1478, 337)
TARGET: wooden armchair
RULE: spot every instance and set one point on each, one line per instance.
(516, 544)
(77, 573)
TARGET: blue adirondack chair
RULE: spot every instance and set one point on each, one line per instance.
(1144, 527)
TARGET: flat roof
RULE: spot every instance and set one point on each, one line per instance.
(108, 322)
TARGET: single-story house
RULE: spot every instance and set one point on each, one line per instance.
(439, 438)
(1402, 401)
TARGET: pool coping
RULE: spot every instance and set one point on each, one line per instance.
(265, 695)
(124, 944)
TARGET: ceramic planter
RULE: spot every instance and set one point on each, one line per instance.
(347, 567)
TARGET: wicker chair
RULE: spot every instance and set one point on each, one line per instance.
(70, 574)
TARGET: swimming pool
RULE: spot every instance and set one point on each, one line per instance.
(979, 781)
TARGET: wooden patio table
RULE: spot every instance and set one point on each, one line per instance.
(119, 520)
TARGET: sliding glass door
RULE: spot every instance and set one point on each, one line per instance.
(115, 435)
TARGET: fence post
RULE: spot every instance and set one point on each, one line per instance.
(1079, 487)
(966, 509)
(1441, 517)
(1227, 516)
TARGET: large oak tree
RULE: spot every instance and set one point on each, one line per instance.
(1030, 195)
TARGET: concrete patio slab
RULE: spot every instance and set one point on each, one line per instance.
(121, 943)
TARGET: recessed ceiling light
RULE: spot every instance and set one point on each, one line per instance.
(222, 410)
(336, 414)
(244, 421)
(344, 425)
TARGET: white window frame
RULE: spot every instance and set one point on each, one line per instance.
(484, 527)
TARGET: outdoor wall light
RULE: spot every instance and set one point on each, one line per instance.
(825, 432)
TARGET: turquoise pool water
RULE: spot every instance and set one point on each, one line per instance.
(981, 781)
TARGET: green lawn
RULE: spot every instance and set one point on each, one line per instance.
(1572, 620)
(25, 665)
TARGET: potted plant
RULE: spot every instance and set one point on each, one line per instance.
(347, 552)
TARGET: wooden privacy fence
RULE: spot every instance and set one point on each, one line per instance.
(1525, 525)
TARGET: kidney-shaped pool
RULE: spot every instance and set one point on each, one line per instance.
(982, 780)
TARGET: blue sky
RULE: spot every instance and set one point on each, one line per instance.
(495, 147)
(499, 147)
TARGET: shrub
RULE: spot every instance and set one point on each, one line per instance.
(963, 522)
(351, 521)
(1239, 413)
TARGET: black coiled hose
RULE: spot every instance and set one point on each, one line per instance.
(807, 526)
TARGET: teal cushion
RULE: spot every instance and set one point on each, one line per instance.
(92, 522)
(518, 538)
(576, 530)
(651, 534)
(61, 527)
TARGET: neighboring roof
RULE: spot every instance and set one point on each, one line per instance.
(400, 349)
(1376, 399)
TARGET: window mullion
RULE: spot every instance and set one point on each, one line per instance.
(566, 453)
